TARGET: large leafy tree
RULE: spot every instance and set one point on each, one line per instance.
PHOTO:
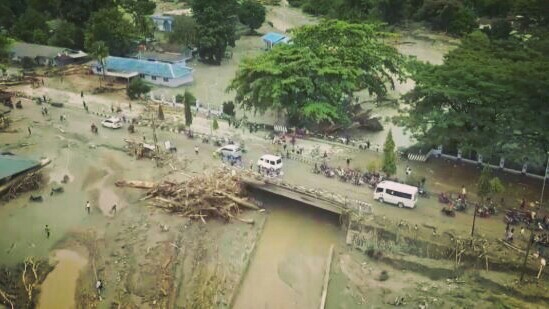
(313, 79)
(110, 26)
(252, 14)
(140, 11)
(80, 11)
(65, 34)
(31, 27)
(184, 31)
(216, 20)
(4, 44)
(488, 96)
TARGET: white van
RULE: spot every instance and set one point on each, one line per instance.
(270, 162)
(396, 193)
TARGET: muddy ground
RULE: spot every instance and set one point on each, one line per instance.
(196, 265)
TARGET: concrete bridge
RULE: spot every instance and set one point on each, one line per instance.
(331, 202)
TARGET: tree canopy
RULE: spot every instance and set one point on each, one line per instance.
(110, 26)
(184, 31)
(216, 20)
(252, 14)
(489, 96)
(313, 79)
(389, 156)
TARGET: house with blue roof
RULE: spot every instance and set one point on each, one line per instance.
(163, 23)
(156, 72)
(272, 38)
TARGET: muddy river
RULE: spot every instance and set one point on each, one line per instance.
(290, 258)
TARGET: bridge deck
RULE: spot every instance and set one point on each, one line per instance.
(298, 195)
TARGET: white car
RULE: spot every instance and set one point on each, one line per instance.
(230, 150)
(113, 123)
(270, 162)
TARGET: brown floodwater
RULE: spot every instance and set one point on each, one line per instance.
(58, 290)
(288, 266)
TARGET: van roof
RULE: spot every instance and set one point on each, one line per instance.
(398, 187)
(270, 157)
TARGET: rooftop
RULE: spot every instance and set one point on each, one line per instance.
(13, 165)
(163, 57)
(273, 37)
(147, 67)
(21, 49)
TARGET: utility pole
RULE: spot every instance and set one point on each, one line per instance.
(155, 139)
(544, 181)
(526, 255)
(474, 220)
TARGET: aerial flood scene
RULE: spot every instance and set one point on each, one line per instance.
(266, 154)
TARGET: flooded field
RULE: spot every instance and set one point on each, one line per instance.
(290, 258)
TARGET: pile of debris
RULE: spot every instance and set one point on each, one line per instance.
(29, 182)
(216, 195)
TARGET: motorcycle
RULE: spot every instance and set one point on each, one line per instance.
(442, 198)
(448, 211)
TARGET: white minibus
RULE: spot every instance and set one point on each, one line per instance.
(396, 193)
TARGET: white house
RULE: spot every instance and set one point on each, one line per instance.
(155, 72)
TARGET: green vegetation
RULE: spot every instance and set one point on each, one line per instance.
(184, 31)
(228, 108)
(109, 26)
(215, 125)
(252, 14)
(188, 100)
(4, 44)
(313, 80)
(100, 51)
(489, 96)
(138, 87)
(455, 17)
(216, 22)
(140, 11)
(389, 156)
(487, 185)
(188, 114)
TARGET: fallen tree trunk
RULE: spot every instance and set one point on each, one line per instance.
(135, 184)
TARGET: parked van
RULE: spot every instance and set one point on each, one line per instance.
(270, 162)
(396, 193)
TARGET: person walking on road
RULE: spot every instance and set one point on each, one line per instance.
(47, 230)
(29, 129)
(463, 192)
(81, 94)
(113, 209)
(88, 207)
(196, 150)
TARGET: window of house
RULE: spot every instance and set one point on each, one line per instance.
(142, 75)
(99, 69)
(153, 77)
(166, 79)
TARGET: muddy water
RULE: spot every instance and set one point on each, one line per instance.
(59, 288)
(287, 268)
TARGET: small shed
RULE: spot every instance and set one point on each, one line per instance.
(12, 166)
(272, 38)
(44, 54)
(163, 23)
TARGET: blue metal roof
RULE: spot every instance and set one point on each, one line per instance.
(273, 37)
(147, 67)
(13, 165)
(162, 17)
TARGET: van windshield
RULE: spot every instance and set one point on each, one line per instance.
(279, 161)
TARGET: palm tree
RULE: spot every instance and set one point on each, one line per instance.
(100, 51)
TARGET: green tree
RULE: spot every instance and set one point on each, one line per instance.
(137, 88)
(482, 99)
(228, 108)
(65, 34)
(4, 45)
(188, 114)
(183, 31)
(215, 124)
(216, 20)
(389, 155)
(140, 11)
(252, 14)
(110, 26)
(79, 11)
(31, 27)
(100, 52)
(392, 11)
(500, 29)
(487, 185)
(313, 79)
(447, 15)
(189, 97)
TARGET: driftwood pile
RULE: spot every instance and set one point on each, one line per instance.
(216, 195)
(29, 182)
